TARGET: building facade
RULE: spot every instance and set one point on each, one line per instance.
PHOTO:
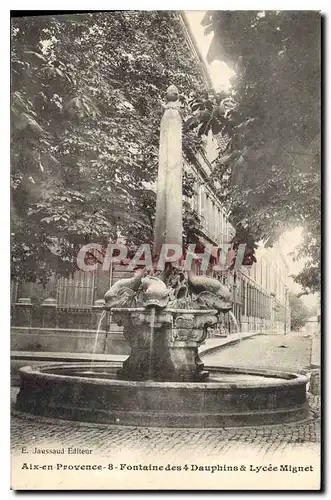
(63, 315)
(260, 291)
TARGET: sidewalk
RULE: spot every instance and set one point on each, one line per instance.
(291, 352)
(216, 343)
(65, 357)
(24, 358)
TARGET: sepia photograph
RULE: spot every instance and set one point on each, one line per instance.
(165, 240)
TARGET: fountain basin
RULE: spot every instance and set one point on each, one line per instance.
(231, 397)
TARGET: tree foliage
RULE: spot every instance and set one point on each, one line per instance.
(270, 172)
(299, 312)
(86, 107)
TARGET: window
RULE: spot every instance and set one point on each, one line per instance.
(207, 212)
(210, 215)
(243, 296)
(196, 198)
(203, 203)
(249, 300)
(217, 224)
(213, 219)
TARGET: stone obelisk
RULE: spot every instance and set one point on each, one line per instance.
(168, 217)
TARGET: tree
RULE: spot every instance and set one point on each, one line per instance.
(270, 172)
(86, 107)
(299, 312)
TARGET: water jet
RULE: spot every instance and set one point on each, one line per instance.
(164, 381)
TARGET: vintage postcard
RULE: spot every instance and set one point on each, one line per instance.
(165, 245)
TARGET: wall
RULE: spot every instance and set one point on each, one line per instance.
(63, 317)
(260, 292)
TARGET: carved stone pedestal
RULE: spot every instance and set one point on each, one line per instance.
(164, 344)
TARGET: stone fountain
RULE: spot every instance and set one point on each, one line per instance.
(165, 314)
